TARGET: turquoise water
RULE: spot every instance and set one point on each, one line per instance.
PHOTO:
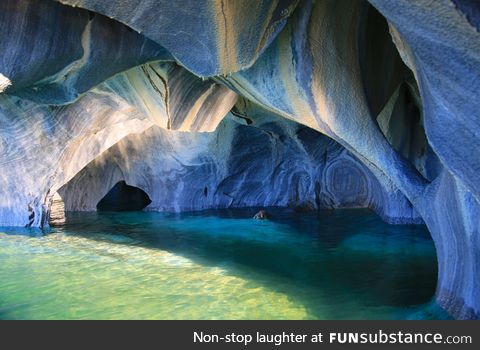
(342, 264)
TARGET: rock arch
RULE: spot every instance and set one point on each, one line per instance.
(63, 103)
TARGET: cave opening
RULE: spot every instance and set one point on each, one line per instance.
(75, 120)
(392, 93)
(394, 99)
(123, 197)
(57, 211)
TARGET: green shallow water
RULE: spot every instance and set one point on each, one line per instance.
(343, 264)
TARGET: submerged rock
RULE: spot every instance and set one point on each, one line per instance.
(262, 215)
(100, 92)
(241, 166)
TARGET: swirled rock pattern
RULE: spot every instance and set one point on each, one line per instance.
(54, 57)
(50, 144)
(207, 37)
(268, 163)
(325, 90)
(111, 87)
(40, 145)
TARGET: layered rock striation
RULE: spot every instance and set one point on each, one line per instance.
(266, 163)
(328, 103)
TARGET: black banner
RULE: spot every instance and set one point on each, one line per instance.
(246, 334)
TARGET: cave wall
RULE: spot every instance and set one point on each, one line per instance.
(402, 105)
(266, 163)
(212, 37)
(324, 89)
(48, 144)
(43, 146)
(52, 54)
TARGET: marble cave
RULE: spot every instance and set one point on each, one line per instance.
(177, 121)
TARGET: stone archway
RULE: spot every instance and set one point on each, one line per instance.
(123, 197)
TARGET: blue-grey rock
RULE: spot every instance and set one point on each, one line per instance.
(42, 146)
(325, 89)
(55, 53)
(444, 50)
(210, 37)
(394, 83)
(268, 163)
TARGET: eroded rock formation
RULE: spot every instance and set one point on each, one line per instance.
(268, 163)
(50, 144)
(207, 37)
(104, 91)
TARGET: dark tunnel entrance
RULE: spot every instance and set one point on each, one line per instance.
(393, 94)
(123, 197)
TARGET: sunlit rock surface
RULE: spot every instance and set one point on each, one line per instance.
(172, 97)
(110, 87)
(48, 144)
(268, 163)
(43, 146)
(325, 89)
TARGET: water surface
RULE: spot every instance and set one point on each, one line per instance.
(342, 264)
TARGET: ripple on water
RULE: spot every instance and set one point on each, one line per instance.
(69, 277)
(216, 266)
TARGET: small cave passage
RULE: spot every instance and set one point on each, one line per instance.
(123, 197)
(57, 211)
